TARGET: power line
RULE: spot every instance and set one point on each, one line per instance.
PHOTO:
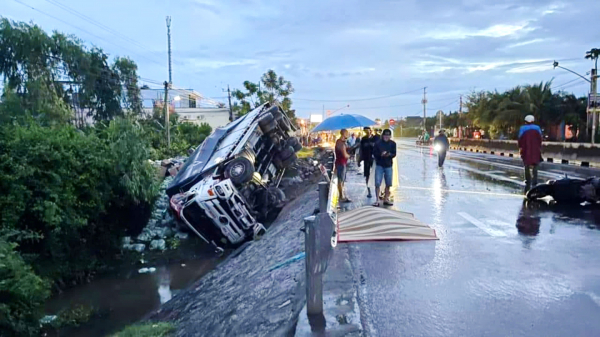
(83, 30)
(356, 100)
(445, 105)
(96, 23)
(566, 83)
(373, 107)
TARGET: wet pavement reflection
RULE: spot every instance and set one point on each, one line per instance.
(502, 266)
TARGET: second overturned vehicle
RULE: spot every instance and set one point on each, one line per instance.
(228, 186)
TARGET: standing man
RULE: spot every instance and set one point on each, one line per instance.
(341, 163)
(530, 147)
(441, 145)
(366, 156)
(384, 153)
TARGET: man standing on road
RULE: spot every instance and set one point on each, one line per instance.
(341, 163)
(366, 156)
(384, 153)
(441, 145)
(530, 147)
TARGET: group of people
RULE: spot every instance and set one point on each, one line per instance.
(374, 150)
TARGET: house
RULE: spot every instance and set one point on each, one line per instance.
(190, 105)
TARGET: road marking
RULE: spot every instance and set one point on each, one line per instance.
(519, 196)
(481, 225)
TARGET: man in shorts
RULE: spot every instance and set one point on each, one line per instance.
(384, 152)
(341, 163)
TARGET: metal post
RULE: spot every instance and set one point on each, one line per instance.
(230, 109)
(318, 248)
(424, 101)
(323, 194)
(594, 108)
(169, 45)
(166, 108)
(314, 280)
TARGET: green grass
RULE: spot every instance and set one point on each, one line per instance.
(305, 153)
(147, 330)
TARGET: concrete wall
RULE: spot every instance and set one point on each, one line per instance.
(584, 153)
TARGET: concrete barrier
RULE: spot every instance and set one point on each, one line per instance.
(580, 154)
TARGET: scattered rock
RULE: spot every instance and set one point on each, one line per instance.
(158, 245)
(182, 236)
(126, 240)
(146, 235)
(147, 270)
(138, 247)
(48, 319)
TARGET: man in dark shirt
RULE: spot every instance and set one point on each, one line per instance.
(366, 156)
(384, 152)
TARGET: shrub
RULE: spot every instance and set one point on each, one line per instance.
(147, 330)
(22, 294)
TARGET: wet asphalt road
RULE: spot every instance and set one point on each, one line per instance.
(501, 267)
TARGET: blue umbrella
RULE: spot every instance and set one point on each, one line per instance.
(343, 121)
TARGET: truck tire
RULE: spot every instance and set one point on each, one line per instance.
(240, 170)
(294, 143)
(267, 123)
(284, 124)
(286, 153)
(290, 160)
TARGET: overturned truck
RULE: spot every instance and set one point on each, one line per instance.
(228, 186)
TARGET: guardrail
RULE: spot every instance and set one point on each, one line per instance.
(579, 154)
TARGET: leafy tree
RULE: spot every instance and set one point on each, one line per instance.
(593, 54)
(127, 71)
(271, 88)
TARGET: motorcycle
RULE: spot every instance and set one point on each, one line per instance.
(568, 190)
(440, 149)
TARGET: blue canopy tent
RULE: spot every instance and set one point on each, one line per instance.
(343, 121)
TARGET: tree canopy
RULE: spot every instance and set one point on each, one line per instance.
(271, 88)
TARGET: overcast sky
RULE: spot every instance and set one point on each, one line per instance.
(341, 50)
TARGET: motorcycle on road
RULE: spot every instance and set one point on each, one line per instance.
(441, 150)
(568, 190)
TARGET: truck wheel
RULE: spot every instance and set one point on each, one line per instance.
(294, 143)
(284, 124)
(286, 153)
(290, 160)
(240, 170)
(267, 123)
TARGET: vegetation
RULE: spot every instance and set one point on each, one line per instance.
(306, 152)
(147, 330)
(74, 171)
(271, 88)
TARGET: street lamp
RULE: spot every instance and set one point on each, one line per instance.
(555, 64)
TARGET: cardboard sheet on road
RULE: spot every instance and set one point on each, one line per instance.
(370, 223)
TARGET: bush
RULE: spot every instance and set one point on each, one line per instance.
(68, 196)
(22, 294)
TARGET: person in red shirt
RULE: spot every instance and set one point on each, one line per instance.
(530, 147)
(341, 163)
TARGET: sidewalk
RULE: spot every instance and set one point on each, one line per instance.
(341, 281)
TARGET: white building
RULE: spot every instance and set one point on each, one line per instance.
(189, 105)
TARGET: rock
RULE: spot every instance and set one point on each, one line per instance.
(159, 232)
(145, 236)
(182, 236)
(48, 319)
(158, 245)
(138, 247)
(126, 240)
(147, 270)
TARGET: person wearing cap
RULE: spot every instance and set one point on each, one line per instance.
(530, 147)
(384, 152)
(366, 156)
(341, 163)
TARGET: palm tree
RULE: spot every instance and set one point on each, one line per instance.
(593, 55)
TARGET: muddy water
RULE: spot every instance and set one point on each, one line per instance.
(123, 299)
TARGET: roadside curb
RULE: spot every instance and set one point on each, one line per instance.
(511, 154)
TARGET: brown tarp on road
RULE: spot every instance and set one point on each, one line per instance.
(370, 223)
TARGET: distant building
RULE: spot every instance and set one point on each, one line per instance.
(413, 122)
(189, 105)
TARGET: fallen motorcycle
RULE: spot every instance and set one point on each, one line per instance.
(568, 190)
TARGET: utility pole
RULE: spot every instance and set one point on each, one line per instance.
(230, 109)
(459, 116)
(424, 101)
(169, 46)
(593, 105)
(166, 107)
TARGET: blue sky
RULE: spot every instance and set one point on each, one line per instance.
(341, 50)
